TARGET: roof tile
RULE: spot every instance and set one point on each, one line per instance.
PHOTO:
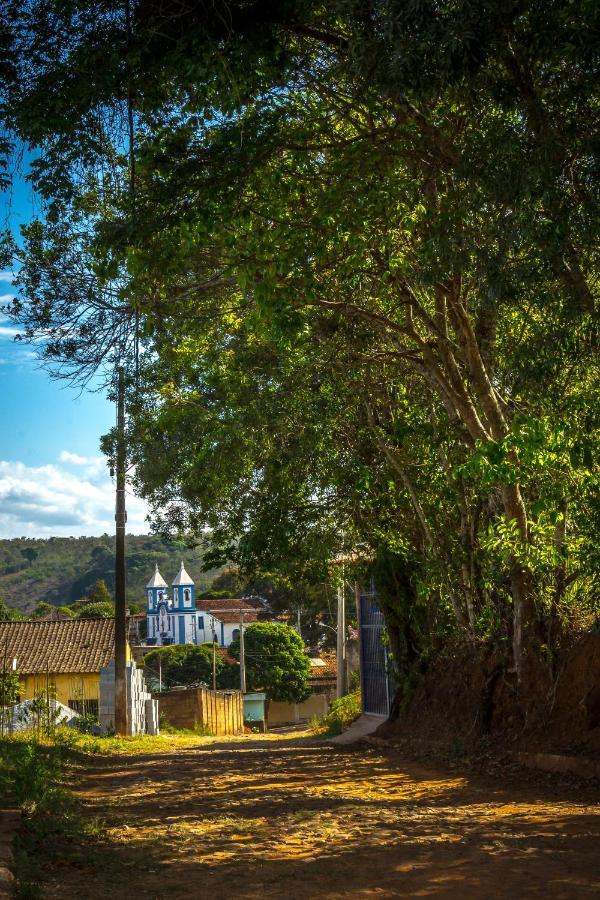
(72, 645)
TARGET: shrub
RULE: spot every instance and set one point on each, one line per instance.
(342, 713)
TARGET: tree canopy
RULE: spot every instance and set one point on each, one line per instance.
(358, 245)
(276, 661)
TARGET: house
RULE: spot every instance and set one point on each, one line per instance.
(219, 620)
(323, 675)
(177, 617)
(63, 657)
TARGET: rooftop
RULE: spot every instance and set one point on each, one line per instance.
(232, 616)
(323, 666)
(209, 606)
(58, 647)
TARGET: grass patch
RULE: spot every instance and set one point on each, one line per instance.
(33, 773)
(342, 713)
(141, 743)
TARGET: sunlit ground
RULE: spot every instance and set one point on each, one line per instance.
(289, 817)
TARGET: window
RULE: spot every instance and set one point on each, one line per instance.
(201, 622)
(235, 634)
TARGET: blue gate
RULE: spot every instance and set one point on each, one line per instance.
(375, 668)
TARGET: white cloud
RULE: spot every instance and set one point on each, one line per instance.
(41, 501)
(7, 275)
(6, 298)
(76, 459)
(8, 332)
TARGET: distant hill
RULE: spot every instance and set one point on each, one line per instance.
(61, 570)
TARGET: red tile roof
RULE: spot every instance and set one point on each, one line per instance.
(325, 668)
(209, 606)
(231, 616)
(59, 647)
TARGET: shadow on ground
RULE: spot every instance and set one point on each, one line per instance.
(299, 818)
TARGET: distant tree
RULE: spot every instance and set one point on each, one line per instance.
(135, 608)
(30, 554)
(183, 664)
(214, 595)
(66, 610)
(41, 609)
(229, 583)
(100, 593)
(7, 613)
(97, 610)
(276, 661)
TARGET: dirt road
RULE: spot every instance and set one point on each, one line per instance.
(297, 819)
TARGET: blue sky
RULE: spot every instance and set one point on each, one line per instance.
(53, 480)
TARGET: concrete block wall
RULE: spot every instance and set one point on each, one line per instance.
(138, 699)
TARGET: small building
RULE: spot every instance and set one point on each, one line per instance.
(63, 657)
(323, 675)
(219, 620)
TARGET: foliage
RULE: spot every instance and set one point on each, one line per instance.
(99, 593)
(369, 322)
(66, 569)
(41, 609)
(10, 688)
(66, 610)
(182, 664)
(7, 613)
(276, 661)
(99, 610)
(30, 772)
(229, 583)
(342, 713)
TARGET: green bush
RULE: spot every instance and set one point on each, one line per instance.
(30, 771)
(98, 610)
(342, 713)
(182, 664)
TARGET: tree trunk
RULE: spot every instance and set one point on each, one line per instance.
(520, 579)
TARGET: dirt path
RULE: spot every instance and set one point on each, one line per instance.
(296, 818)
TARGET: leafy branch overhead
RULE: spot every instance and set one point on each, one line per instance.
(358, 247)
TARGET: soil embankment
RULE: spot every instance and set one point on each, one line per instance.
(466, 697)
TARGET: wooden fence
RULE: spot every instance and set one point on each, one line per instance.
(200, 709)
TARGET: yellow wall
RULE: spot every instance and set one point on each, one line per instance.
(84, 686)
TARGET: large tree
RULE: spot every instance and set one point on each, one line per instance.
(360, 243)
(276, 661)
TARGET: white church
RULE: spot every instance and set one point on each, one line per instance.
(176, 617)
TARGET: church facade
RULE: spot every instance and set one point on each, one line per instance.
(175, 616)
(171, 617)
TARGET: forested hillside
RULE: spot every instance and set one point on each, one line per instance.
(61, 570)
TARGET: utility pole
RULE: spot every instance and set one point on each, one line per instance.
(214, 657)
(341, 641)
(120, 520)
(242, 655)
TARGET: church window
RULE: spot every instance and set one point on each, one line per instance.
(201, 622)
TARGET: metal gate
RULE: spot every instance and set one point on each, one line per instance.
(375, 676)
